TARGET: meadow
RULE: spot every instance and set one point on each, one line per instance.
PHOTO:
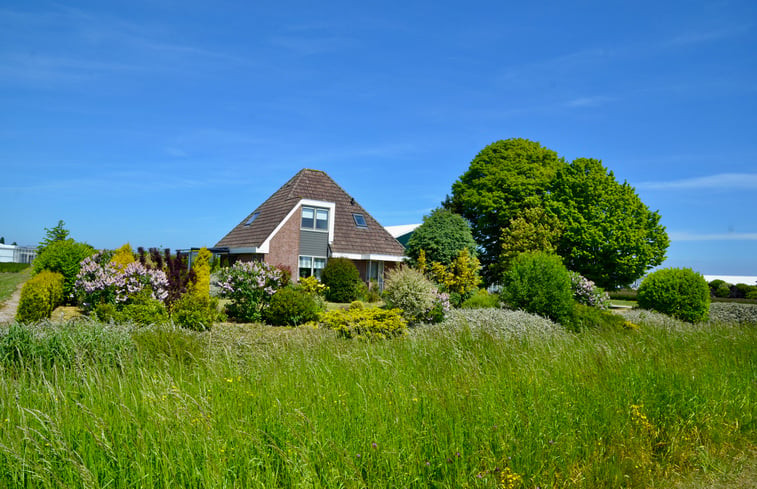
(489, 398)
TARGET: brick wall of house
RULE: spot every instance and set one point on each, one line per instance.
(285, 245)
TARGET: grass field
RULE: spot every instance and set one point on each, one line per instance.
(480, 401)
(9, 281)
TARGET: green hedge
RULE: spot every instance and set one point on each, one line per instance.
(13, 267)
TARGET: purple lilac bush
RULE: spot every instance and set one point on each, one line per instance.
(585, 292)
(250, 286)
(106, 283)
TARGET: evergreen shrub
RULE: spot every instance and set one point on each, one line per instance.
(540, 284)
(196, 312)
(678, 292)
(292, 307)
(342, 278)
(40, 295)
(367, 323)
(411, 292)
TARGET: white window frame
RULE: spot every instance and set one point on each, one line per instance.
(312, 268)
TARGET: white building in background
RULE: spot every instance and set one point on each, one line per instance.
(17, 254)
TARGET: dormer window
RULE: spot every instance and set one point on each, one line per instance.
(315, 218)
(359, 220)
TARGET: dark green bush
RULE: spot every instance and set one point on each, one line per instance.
(481, 299)
(39, 296)
(13, 267)
(740, 291)
(678, 292)
(144, 312)
(623, 294)
(196, 312)
(540, 284)
(292, 307)
(64, 257)
(342, 279)
(722, 290)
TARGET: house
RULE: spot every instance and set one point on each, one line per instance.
(307, 221)
(403, 232)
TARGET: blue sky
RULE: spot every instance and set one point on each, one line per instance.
(164, 123)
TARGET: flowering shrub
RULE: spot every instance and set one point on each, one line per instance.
(585, 292)
(250, 286)
(98, 283)
(312, 285)
(410, 291)
(439, 309)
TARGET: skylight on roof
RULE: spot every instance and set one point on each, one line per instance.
(359, 220)
(252, 218)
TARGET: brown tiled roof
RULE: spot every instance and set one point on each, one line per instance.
(315, 185)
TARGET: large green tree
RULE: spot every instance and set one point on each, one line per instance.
(505, 178)
(442, 235)
(609, 235)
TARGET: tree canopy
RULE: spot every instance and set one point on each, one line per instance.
(442, 235)
(505, 178)
(520, 196)
(58, 233)
(609, 235)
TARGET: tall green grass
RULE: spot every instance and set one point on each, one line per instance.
(457, 405)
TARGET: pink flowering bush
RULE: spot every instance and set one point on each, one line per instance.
(105, 283)
(585, 292)
(250, 286)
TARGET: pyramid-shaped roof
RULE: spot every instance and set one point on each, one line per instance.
(315, 185)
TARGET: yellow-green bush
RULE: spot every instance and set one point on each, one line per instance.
(40, 295)
(369, 323)
(201, 267)
(123, 256)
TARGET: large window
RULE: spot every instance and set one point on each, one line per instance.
(315, 218)
(311, 266)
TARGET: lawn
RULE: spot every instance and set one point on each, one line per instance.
(10, 280)
(488, 399)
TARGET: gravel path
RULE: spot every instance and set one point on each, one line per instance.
(8, 309)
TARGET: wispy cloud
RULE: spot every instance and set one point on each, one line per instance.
(722, 181)
(593, 101)
(703, 36)
(685, 236)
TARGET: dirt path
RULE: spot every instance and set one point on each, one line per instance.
(8, 309)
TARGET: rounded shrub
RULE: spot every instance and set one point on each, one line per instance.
(292, 307)
(342, 278)
(678, 292)
(410, 291)
(65, 258)
(540, 284)
(196, 312)
(40, 295)
(723, 290)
